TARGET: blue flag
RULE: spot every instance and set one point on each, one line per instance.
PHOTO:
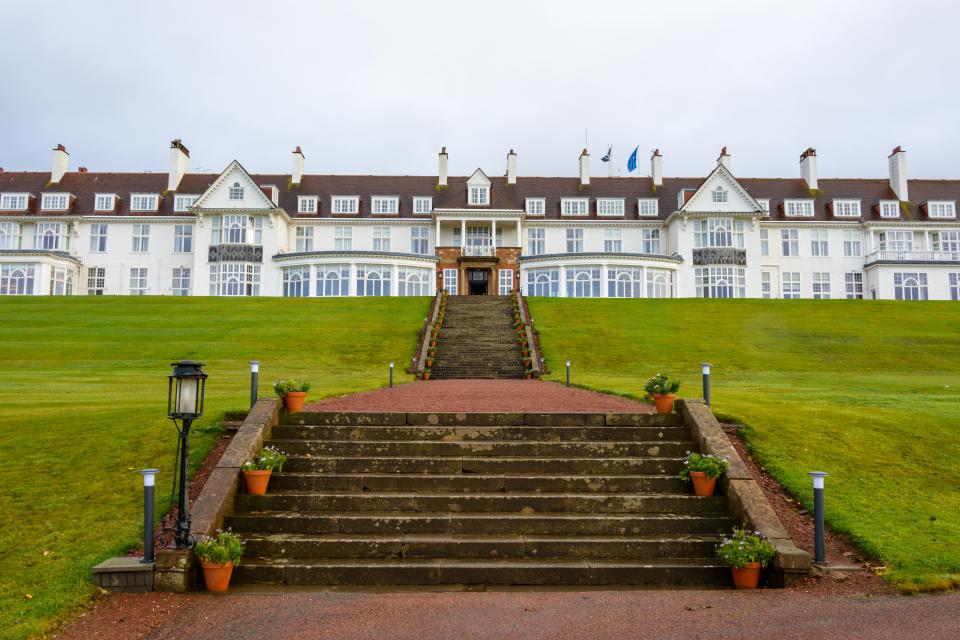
(632, 162)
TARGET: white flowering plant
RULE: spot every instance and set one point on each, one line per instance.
(711, 465)
(744, 547)
(226, 547)
(661, 385)
(270, 459)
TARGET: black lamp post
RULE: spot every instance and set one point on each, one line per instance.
(185, 403)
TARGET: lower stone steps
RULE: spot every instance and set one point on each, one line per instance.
(489, 448)
(474, 482)
(481, 434)
(533, 572)
(445, 465)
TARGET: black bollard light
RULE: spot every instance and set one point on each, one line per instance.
(149, 476)
(254, 381)
(185, 403)
(819, 552)
(391, 374)
(568, 373)
(705, 370)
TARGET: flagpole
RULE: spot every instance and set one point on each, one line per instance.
(610, 164)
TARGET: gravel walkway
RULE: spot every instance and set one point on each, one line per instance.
(529, 396)
(523, 615)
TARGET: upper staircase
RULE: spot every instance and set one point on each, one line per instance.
(477, 340)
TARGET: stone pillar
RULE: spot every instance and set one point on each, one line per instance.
(463, 233)
(436, 242)
(395, 288)
(493, 235)
(519, 237)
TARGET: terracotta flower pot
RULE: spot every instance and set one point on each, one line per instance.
(216, 576)
(702, 485)
(426, 375)
(294, 401)
(257, 481)
(664, 402)
(429, 362)
(748, 577)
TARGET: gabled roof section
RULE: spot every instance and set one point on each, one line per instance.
(478, 179)
(738, 199)
(217, 194)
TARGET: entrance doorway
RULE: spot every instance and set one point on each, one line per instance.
(479, 281)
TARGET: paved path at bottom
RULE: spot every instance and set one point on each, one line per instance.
(528, 396)
(524, 615)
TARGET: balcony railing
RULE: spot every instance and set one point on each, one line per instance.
(886, 255)
(477, 251)
(720, 255)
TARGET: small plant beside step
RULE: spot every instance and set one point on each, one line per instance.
(703, 470)
(218, 556)
(746, 553)
(256, 472)
(293, 393)
(663, 391)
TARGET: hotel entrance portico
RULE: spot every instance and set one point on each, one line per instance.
(478, 251)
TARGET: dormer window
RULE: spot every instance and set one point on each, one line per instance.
(306, 204)
(941, 209)
(479, 195)
(183, 202)
(384, 206)
(574, 206)
(105, 202)
(54, 201)
(683, 195)
(764, 204)
(798, 208)
(647, 207)
(143, 202)
(345, 204)
(846, 208)
(535, 206)
(610, 206)
(422, 205)
(13, 201)
(236, 191)
(720, 195)
(889, 209)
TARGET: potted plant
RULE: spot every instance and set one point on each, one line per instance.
(218, 556)
(703, 471)
(426, 374)
(256, 472)
(663, 391)
(429, 362)
(293, 393)
(746, 553)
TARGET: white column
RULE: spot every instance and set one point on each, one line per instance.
(353, 288)
(603, 279)
(563, 281)
(395, 282)
(519, 239)
(463, 233)
(493, 233)
(643, 281)
(436, 242)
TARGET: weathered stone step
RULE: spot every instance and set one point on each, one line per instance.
(571, 466)
(360, 418)
(552, 524)
(597, 503)
(473, 483)
(478, 546)
(479, 434)
(489, 448)
(424, 571)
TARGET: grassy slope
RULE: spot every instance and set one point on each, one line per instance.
(866, 390)
(83, 407)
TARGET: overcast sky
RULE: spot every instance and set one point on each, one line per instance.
(379, 87)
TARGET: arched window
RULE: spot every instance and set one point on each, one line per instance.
(720, 195)
(236, 191)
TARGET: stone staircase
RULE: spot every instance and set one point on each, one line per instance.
(480, 499)
(477, 340)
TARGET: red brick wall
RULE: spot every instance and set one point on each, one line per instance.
(449, 259)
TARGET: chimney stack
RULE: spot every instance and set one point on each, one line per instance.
(442, 177)
(296, 175)
(584, 168)
(808, 167)
(724, 158)
(898, 174)
(511, 167)
(179, 163)
(656, 168)
(61, 162)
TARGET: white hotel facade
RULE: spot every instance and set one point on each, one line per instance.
(235, 234)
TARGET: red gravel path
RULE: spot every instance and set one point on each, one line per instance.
(527, 615)
(511, 396)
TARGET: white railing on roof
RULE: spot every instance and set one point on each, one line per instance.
(477, 250)
(886, 255)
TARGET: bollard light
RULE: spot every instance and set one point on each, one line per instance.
(149, 480)
(568, 373)
(391, 374)
(185, 403)
(705, 370)
(819, 552)
(254, 381)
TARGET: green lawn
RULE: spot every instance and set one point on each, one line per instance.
(83, 408)
(865, 390)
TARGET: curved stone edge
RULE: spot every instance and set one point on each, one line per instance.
(176, 569)
(747, 500)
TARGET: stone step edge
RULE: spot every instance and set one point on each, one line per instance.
(481, 419)
(482, 515)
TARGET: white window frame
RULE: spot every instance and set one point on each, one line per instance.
(536, 241)
(54, 201)
(296, 281)
(345, 205)
(333, 280)
(61, 281)
(505, 282)
(450, 280)
(819, 243)
(235, 279)
(478, 195)
(905, 291)
(139, 281)
(381, 238)
(853, 285)
(852, 243)
(613, 240)
(577, 207)
(10, 235)
(584, 281)
(180, 281)
(303, 242)
(798, 208)
(18, 279)
(422, 205)
(648, 207)
(543, 282)
(420, 240)
(720, 195)
(614, 207)
(764, 242)
(96, 281)
(846, 208)
(98, 237)
(235, 192)
(343, 238)
(535, 206)
(791, 285)
(574, 237)
(764, 204)
(14, 201)
(51, 236)
(946, 241)
(384, 205)
(144, 201)
(766, 289)
(889, 208)
(183, 238)
(650, 240)
(413, 281)
(953, 279)
(711, 233)
(104, 202)
(183, 201)
(720, 282)
(790, 243)
(140, 242)
(895, 240)
(940, 209)
(821, 285)
(307, 204)
(374, 279)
